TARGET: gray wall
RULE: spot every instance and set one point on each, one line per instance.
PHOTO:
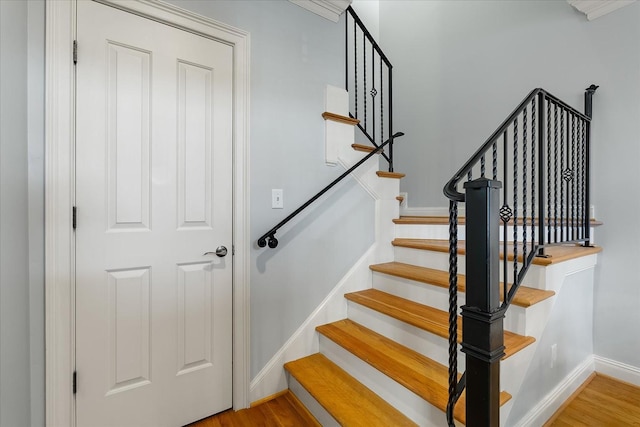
(465, 65)
(21, 213)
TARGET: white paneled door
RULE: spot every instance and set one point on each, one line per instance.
(154, 194)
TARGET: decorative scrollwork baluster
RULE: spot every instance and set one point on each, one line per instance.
(494, 157)
(533, 174)
(524, 184)
(515, 200)
(453, 309)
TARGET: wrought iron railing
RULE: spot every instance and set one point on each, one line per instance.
(269, 238)
(531, 175)
(369, 83)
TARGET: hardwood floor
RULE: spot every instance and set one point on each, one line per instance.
(601, 401)
(283, 411)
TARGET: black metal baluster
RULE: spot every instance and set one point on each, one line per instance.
(564, 130)
(524, 185)
(505, 216)
(555, 171)
(355, 72)
(364, 77)
(381, 102)
(515, 201)
(573, 176)
(534, 147)
(585, 208)
(482, 166)
(548, 171)
(453, 308)
(373, 92)
(469, 176)
(494, 151)
(346, 52)
(390, 96)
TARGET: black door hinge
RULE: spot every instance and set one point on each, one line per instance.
(75, 51)
(74, 217)
(75, 382)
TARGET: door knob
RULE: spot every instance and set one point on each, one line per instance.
(220, 251)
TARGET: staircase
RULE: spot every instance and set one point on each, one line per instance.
(386, 363)
(394, 358)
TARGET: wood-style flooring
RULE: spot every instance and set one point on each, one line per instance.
(283, 411)
(600, 402)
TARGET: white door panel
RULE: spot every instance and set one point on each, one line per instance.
(154, 193)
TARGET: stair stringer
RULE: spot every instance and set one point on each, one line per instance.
(304, 341)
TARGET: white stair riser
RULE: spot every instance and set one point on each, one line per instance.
(441, 231)
(437, 297)
(440, 261)
(323, 417)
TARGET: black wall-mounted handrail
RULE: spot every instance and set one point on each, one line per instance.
(532, 175)
(268, 238)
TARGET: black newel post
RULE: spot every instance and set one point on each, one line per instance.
(588, 111)
(482, 321)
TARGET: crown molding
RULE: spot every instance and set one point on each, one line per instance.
(330, 9)
(597, 8)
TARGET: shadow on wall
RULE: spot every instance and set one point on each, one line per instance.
(327, 205)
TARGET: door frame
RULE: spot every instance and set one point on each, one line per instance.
(60, 193)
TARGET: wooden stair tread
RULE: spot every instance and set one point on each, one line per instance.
(423, 376)
(336, 391)
(395, 175)
(443, 219)
(340, 118)
(364, 148)
(424, 317)
(525, 297)
(554, 254)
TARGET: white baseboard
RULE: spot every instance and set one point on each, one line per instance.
(618, 370)
(540, 413)
(304, 341)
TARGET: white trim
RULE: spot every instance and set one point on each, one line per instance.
(436, 211)
(597, 8)
(405, 210)
(545, 409)
(330, 9)
(618, 370)
(59, 194)
(304, 341)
